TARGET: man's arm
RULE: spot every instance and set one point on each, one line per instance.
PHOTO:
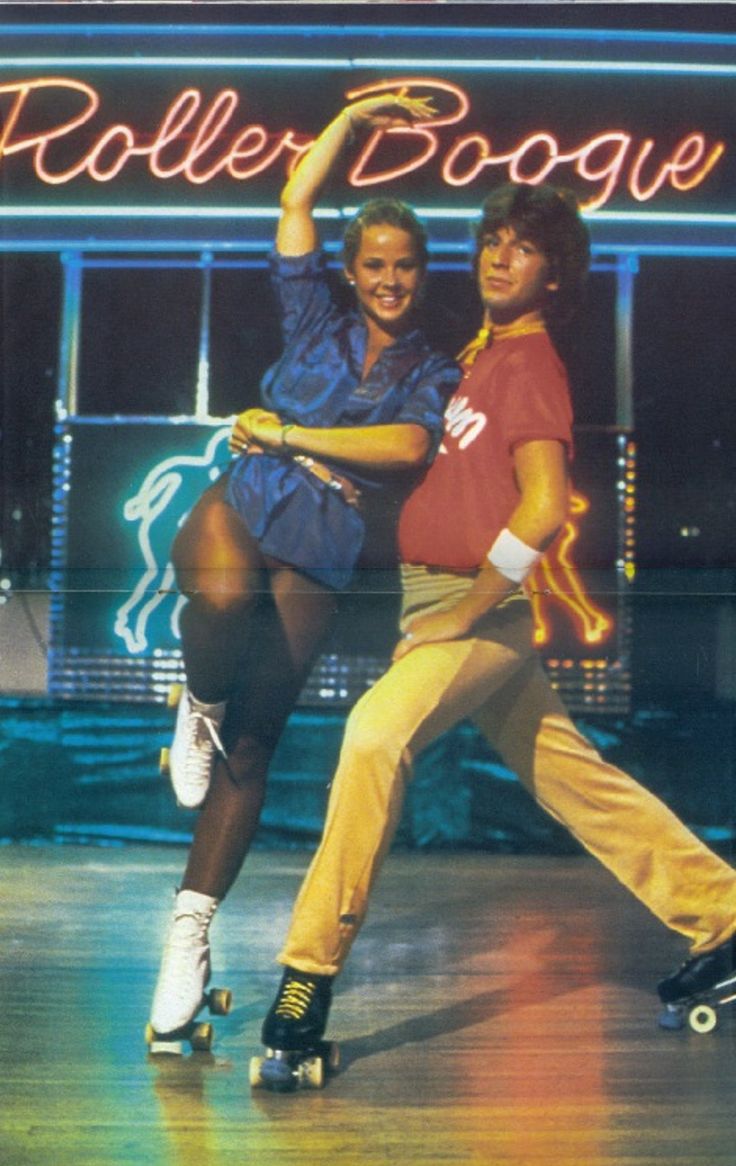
(541, 475)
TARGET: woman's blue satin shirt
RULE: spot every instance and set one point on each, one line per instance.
(317, 382)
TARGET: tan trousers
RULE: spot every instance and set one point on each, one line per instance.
(496, 679)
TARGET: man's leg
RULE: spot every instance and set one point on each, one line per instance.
(620, 822)
(420, 697)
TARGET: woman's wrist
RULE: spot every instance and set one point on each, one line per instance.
(349, 121)
(285, 431)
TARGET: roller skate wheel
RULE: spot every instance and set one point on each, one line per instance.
(201, 1038)
(254, 1072)
(672, 1017)
(173, 696)
(164, 765)
(332, 1058)
(219, 1001)
(702, 1018)
(312, 1073)
(279, 1074)
(163, 1046)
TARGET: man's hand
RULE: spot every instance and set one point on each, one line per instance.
(437, 627)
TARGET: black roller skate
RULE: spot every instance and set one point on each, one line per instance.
(703, 984)
(296, 1055)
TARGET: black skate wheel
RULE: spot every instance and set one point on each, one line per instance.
(672, 1017)
(279, 1074)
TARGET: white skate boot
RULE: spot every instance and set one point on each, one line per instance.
(181, 990)
(192, 754)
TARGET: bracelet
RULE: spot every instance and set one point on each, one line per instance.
(284, 430)
(512, 557)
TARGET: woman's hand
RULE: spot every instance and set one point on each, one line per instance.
(256, 427)
(388, 109)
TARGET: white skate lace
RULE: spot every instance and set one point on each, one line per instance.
(296, 996)
(204, 741)
(185, 970)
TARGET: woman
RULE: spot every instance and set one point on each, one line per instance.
(354, 399)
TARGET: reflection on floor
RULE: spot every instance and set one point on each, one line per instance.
(496, 1010)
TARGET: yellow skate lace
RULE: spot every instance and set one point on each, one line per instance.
(295, 998)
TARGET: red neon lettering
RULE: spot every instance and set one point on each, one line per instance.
(206, 144)
(99, 172)
(176, 119)
(531, 143)
(41, 139)
(682, 161)
(609, 168)
(634, 184)
(237, 152)
(688, 154)
(483, 157)
(258, 138)
(212, 125)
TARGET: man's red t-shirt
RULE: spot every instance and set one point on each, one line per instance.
(517, 391)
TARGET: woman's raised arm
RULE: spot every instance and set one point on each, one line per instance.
(296, 233)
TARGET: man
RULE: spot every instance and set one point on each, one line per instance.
(469, 535)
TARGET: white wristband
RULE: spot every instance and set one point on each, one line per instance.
(511, 557)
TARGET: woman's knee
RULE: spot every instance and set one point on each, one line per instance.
(210, 602)
(251, 755)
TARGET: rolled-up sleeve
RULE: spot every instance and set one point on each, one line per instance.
(301, 285)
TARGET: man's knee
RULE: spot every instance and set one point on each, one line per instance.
(373, 737)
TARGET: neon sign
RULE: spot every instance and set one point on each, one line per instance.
(198, 139)
(555, 579)
(146, 509)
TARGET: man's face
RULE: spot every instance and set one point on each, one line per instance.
(513, 276)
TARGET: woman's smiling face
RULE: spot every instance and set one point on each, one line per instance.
(387, 276)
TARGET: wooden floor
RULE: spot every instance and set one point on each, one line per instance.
(495, 1011)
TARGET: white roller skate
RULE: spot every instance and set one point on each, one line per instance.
(181, 990)
(191, 757)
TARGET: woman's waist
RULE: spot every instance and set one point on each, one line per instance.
(279, 466)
